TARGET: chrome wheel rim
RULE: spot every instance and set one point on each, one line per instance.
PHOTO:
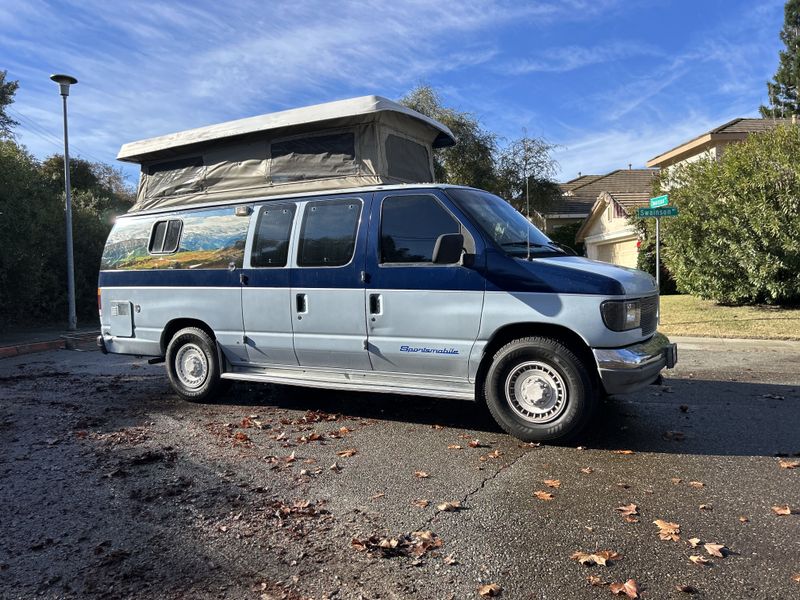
(191, 366)
(536, 392)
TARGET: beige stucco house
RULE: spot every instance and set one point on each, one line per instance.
(607, 232)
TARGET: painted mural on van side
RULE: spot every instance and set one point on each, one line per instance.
(210, 239)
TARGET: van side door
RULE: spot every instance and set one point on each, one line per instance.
(266, 293)
(422, 318)
(327, 283)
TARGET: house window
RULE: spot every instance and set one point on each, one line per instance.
(410, 226)
(165, 236)
(271, 241)
(328, 234)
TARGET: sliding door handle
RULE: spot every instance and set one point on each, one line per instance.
(301, 303)
(375, 304)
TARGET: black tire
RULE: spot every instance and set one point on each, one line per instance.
(547, 360)
(196, 345)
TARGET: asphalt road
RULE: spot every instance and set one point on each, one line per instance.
(110, 486)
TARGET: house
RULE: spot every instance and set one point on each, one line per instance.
(607, 232)
(712, 143)
(580, 194)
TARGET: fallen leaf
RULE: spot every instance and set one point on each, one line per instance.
(623, 485)
(241, 437)
(686, 589)
(490, 590)
(744, 520)
(622, 452)
(335, 468)
(246, 423)
(718, 550)
(789, 464)
(450, 560)
(542, 495)
(668, 531)
(782, 510)
(706, 507)
(421, 474)
(694, 542)
(552, 483)
(437, 427)
(796, 577)
(412, 545)
(600, 557)
(630, 588)
(474, 444)
(697, 484)
(596, 580)
(494, 454)
(676, 480)
(699, 560)
(454, 447)
(377, 496)
(347, 453)
(449, 506)
(291, 458)
(587, 470)
(421, 503)
(628, 510)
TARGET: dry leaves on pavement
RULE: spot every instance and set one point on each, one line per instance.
(597, 581)
(686, 589)
(542, 495)
(449, 507)
(697, 484)
(347, 453)
(454, 447)
(413, 544)
(668, 531)
(789, 464)
(628, 512)
(782, 510)
(587, 470)
(694, 542)
(599, 557)
(718, 550)
(421, 474)
(630, 588)
(622, 452)
(421, 503)
(699, 560)
(552, 483)
(490, 590)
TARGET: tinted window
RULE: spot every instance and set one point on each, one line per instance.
(271, 242)
(328, 235)
(410, 226)
(165, 237)
(313, 157)
(407, 159)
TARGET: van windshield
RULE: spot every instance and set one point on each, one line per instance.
(503, 223)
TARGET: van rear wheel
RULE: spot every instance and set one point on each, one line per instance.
(538, 390)
(193, 365)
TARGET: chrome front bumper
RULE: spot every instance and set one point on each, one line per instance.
(624, 370)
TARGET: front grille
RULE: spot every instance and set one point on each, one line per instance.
(649, 319)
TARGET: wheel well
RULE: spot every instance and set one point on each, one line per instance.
(509, 333)
(176, 325)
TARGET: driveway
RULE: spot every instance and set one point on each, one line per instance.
(110, 486)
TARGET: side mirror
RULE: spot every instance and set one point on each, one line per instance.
(448, 248)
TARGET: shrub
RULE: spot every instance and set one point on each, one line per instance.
(737, 237)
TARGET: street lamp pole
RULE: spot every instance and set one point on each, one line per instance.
(64, 81)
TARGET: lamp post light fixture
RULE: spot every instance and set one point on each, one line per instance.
(64, 81)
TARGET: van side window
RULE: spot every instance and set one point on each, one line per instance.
(410, 226)
(328, 234)
(271, 241)
(165, 237)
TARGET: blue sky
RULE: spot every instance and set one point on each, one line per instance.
(611, 82)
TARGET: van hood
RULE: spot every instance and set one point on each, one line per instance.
(633, 281)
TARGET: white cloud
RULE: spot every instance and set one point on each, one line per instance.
(570, 58)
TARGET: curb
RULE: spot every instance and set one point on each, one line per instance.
(9, 351)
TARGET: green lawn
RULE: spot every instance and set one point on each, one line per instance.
(690, 316)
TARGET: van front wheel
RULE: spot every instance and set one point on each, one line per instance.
(537, 390)
(192, 364)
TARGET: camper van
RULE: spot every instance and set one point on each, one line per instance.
(312, 247)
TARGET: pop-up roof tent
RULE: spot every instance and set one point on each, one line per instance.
(361, 141)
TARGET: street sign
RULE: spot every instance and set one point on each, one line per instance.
(665, 211)
(659, 201)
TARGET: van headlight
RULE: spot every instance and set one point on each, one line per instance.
(621, 315)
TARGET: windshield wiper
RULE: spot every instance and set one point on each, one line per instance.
(522, 243)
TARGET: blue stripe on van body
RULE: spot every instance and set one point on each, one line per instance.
(169, 278)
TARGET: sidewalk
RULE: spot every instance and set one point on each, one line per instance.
(14, 342)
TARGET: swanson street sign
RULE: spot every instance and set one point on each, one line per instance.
(659, 201)
(665, 211)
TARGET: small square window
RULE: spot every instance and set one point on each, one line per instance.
(165, 237)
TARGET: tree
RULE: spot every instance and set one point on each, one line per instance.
(527, 160)
(7, 91)
(783, 89)
(472, 160)
(736, 239)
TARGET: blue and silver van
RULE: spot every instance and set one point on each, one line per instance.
(407, 288)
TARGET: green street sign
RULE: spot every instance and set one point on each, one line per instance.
(659, 201)
(665, 211)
